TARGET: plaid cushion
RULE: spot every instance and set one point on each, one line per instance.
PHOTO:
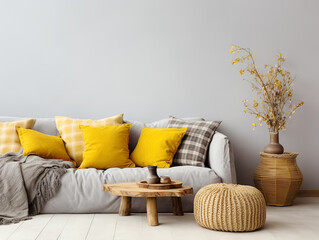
(193, 149)
(9, 139)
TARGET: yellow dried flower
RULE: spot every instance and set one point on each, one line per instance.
(241, 72)
(277, 84)
(231, 50)
(266, 66)
(300, 104)
(235, 61)
(289, 94)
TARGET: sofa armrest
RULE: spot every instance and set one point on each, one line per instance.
(221, 158)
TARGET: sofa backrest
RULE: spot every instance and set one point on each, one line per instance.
(44, 125)
(48, 126)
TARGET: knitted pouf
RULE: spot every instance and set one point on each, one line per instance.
(230, 207)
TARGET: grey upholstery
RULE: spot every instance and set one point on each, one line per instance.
(81, 190)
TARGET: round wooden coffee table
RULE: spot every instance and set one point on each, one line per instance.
(129, 189)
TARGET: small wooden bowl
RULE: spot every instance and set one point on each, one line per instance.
(166, 179)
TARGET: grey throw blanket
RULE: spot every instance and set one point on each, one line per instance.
(26, 183)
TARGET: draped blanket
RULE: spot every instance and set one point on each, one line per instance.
(26, 184)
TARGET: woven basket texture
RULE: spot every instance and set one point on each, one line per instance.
(230, 207)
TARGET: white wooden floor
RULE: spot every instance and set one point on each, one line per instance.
(300, 221)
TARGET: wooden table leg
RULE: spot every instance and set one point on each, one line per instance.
(151, 207)
(125, 207)
(177, 206)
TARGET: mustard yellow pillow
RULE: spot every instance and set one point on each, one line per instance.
(106, 147)
(157, 146)
(43, 145)
(71, 133)
(9, 139)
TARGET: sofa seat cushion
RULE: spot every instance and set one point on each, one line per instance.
(81, 190)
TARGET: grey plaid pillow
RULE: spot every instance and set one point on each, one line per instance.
(193, 149)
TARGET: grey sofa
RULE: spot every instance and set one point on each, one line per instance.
(81, 189)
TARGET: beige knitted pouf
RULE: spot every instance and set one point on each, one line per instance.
(230, 207)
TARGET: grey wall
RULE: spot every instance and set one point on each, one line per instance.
(151, 59)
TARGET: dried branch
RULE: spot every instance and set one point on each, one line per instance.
(274, 94)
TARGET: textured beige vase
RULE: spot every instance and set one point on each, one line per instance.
(230, 207)
(278, 178)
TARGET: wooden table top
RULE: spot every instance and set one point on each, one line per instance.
(131, 189)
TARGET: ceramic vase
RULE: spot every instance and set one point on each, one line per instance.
(274, 147)
(152, 176)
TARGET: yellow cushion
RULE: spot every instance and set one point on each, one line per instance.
(106, 147)
(157, 146)
(43, 145)
(9, 139)
(71, 133)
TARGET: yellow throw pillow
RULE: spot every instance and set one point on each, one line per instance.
(43, 145)
(71, 133)
(157, 146)
(106, 147)
(9, 139)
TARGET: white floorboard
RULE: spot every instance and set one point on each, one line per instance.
(300, 221)
(7, 230)
(129, 227)
(54, 227)
(102, 227)
(77, 227)
(31, 229)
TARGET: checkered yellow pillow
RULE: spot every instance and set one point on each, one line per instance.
(9, 139)
(71, 133)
